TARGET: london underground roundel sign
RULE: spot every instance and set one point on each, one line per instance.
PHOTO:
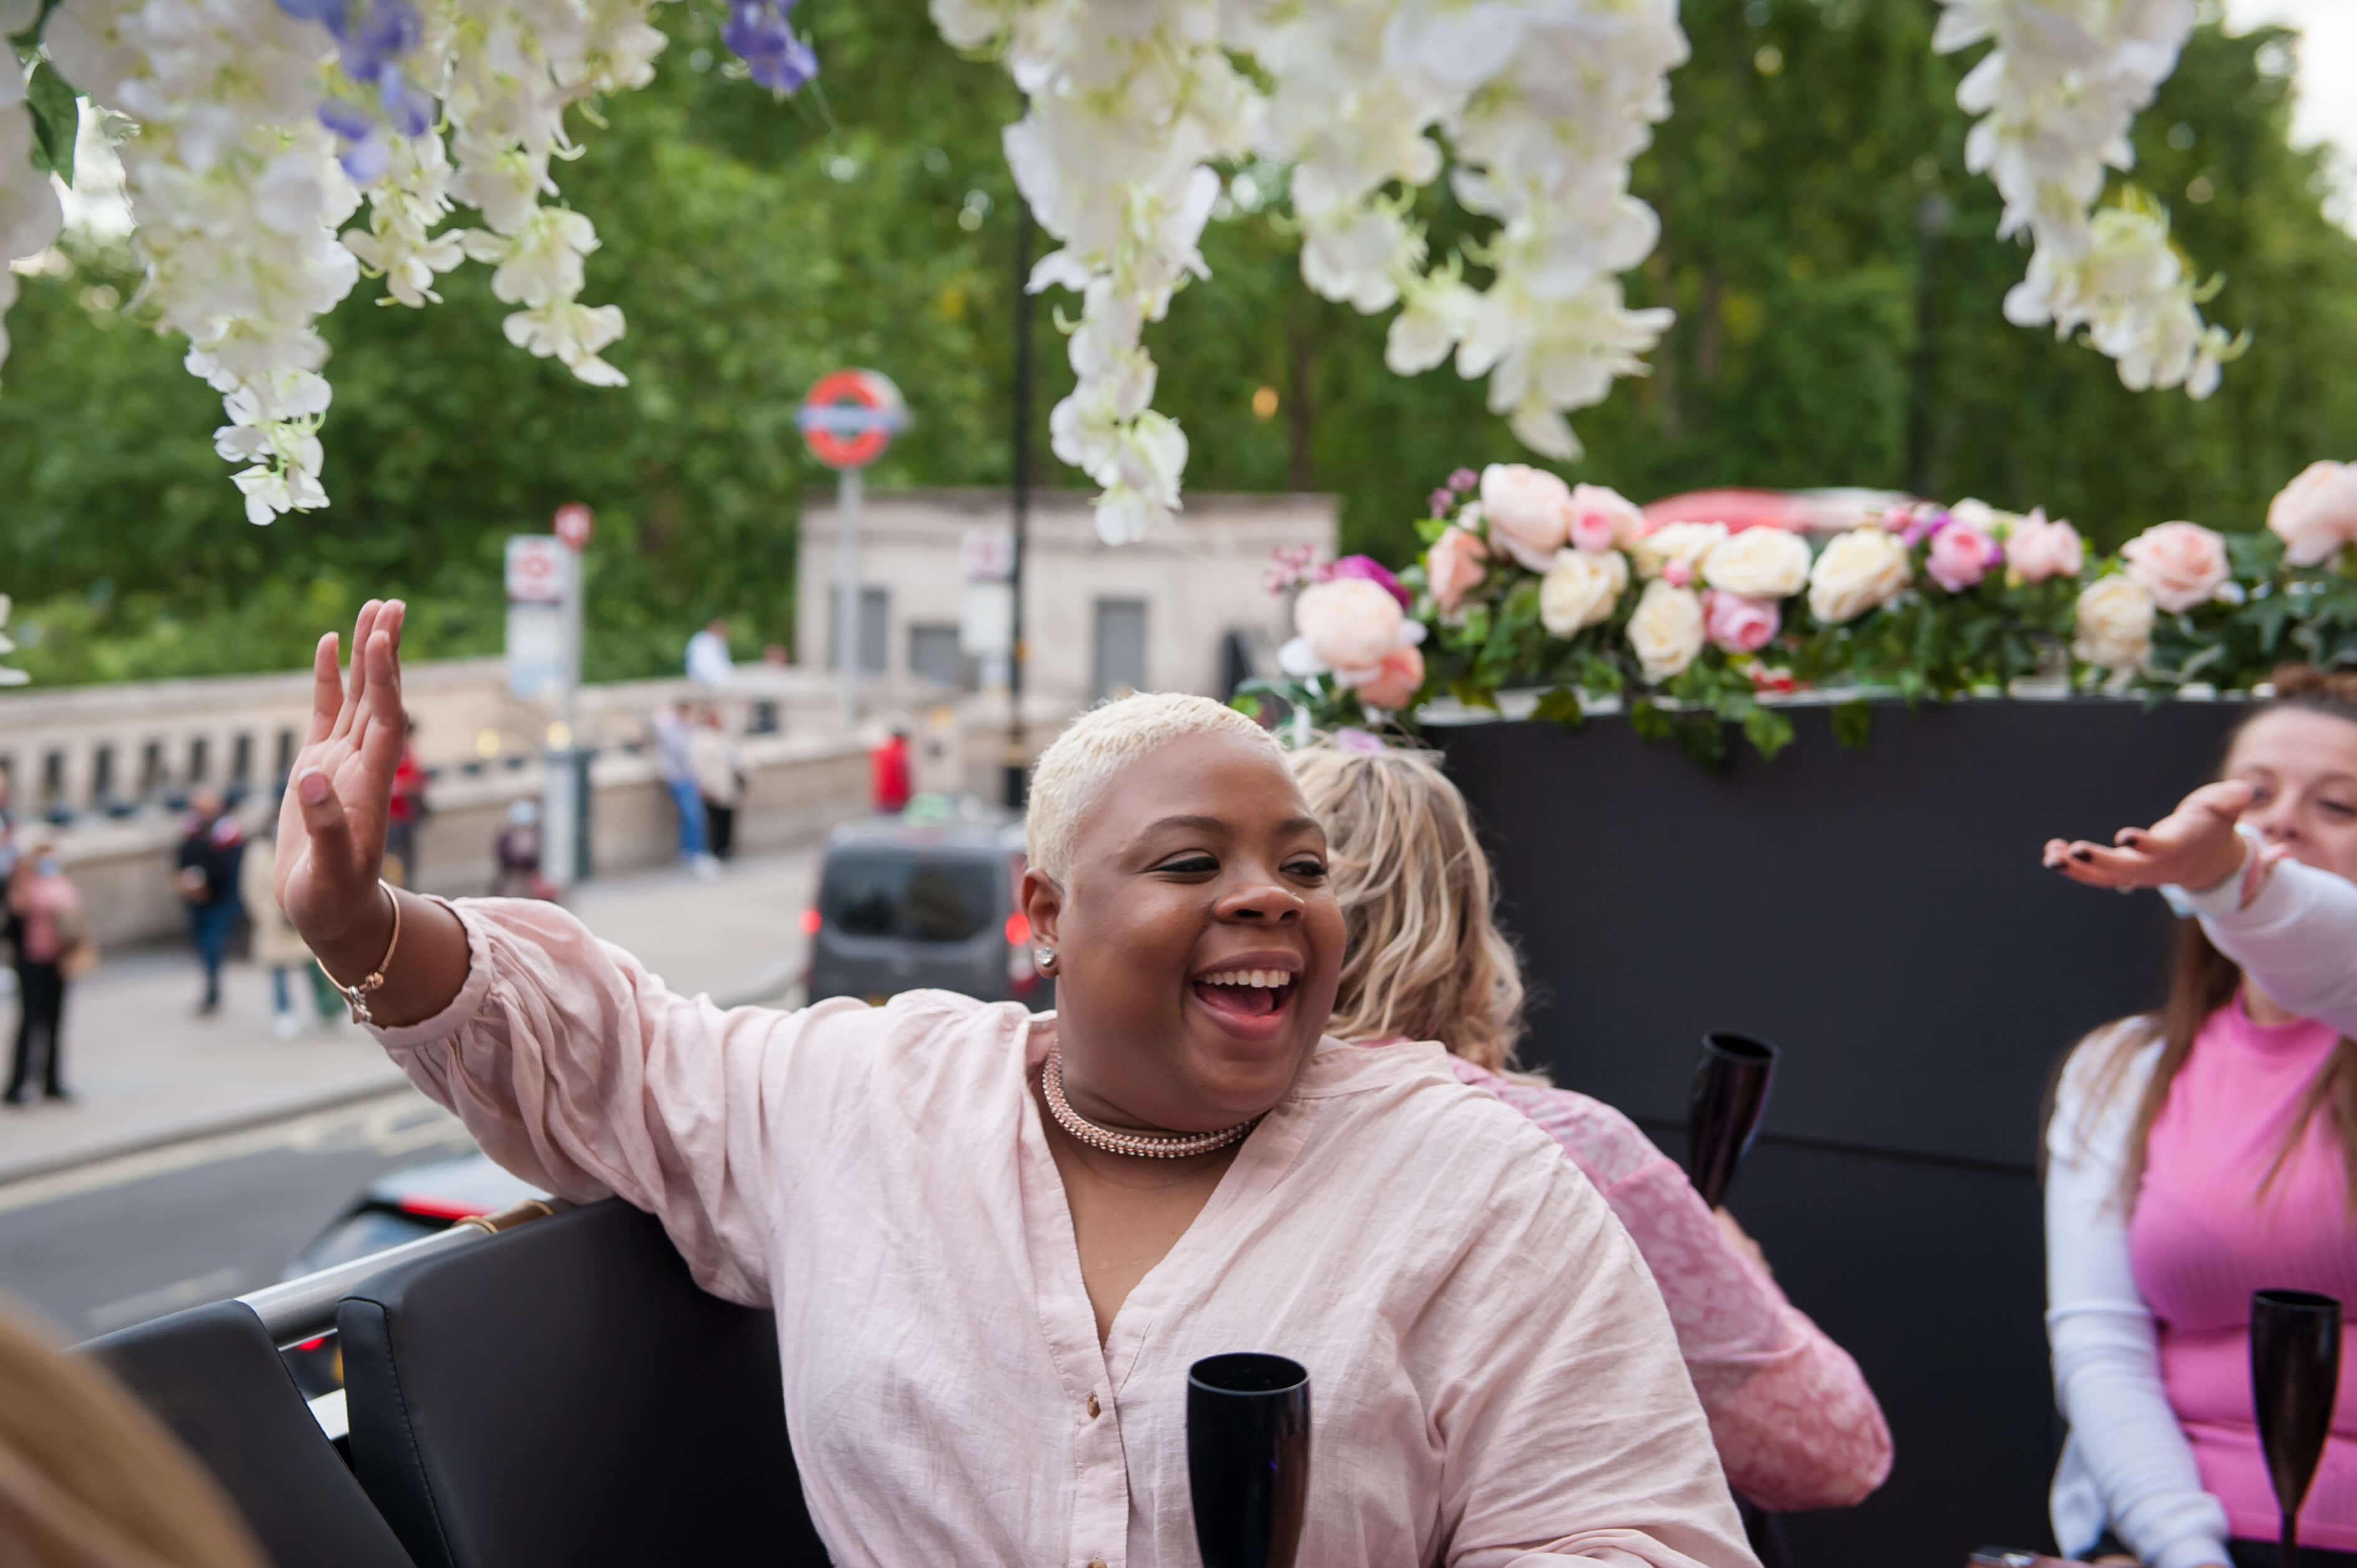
(851, 416)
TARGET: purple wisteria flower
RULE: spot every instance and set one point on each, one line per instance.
(761, 33)
(1441, 501)
(371, 45)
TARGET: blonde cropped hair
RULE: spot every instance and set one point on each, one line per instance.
(1074, 768)
(1424, 958)
(89, 1479)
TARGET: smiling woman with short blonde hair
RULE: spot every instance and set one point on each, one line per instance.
(996, 1242)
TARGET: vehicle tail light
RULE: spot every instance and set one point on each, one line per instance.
(1022, 974)
(811, 922)
(312, 1343)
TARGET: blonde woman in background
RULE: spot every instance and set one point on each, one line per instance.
(1795, 1424)
(88, 1479)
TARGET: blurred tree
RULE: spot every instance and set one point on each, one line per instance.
(1833, 268)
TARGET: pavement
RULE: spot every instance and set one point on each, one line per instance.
(147, 1073)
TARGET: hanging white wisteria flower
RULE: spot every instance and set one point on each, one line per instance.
(8, 676)
(1130, 100)
(256, 129)
(2056, 97)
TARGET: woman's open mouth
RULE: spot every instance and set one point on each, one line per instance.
(1245, 996)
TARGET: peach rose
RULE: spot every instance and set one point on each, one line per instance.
(2115, 623)
(1686, 541)
(1348, 623)
(1581, 590)
(2036, 549)
(1398, 677)
(1529, 512)
(1758, 564)
(1738, 623)
(2181, 564)
(1452, 567)
(1603, 520)
(1667, 629)
(2315, 514)
(1959, 556)
(1860, 570)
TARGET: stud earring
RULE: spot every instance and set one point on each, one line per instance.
(1046, 956)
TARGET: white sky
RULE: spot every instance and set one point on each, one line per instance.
(2326, 107)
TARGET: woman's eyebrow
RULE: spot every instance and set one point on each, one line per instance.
(1215, 825)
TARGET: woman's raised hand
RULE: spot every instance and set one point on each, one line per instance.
(2194, 846)
(331, 826)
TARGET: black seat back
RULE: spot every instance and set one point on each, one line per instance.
(213, 1375)
(564, 1395)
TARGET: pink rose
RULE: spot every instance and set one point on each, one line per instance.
(2181, 564)
(1397, 680)
(1677, 573)
(2315, 514)
(1347, 624)
(1961, 556)
(2037, 549)
(1529, 512)
(1452, 567)
(1738, 624)
(1603, 519)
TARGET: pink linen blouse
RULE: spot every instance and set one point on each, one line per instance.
(1494, 1381)
(1796, 1425)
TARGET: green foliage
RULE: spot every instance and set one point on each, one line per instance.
(1834, 270)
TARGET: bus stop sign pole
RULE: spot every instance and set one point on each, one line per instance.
(847, 421)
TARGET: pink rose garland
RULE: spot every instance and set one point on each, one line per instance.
(1735, 623)
(2181, 564)
(1961, 554)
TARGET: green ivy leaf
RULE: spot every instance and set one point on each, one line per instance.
(57, 118)
(1561, 706)
(1853, 724)
(1246, 704)
(1651, 721)
(1768, 730)
(1701, 739)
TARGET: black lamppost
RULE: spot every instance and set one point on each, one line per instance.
(1017, 772)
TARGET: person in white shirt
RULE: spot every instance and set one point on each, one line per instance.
(707, 654)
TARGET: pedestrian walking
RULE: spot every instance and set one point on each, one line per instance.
(678, 770)
(277, 947)
(887, 769)
(707, 654)
(53, 946)
(719, 772)
(406, 813)
(516, 852)
(212, 846)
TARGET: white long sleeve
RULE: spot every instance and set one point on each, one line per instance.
(2128, 1464)
(2297, 941)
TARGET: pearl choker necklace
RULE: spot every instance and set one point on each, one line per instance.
(1145, 1146)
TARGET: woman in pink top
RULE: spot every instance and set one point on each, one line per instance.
(994, 1242)
(2198, 1155)
(1795, 1424)
(43, 910)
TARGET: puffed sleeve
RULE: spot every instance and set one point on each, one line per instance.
(578, 1070)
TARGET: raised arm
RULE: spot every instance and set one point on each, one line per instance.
(570, 1063)
(331, 836)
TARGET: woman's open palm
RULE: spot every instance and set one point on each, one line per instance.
(331, 825)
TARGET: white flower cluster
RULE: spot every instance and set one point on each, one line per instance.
(251, 121)
(1545, 104)
(1546, 101)
(1129, 101)
(2056, 97)
(29, 213)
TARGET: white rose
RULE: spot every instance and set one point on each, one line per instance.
(1686, 541)
(1758, 564)
(2115, 623)
(1580, 590)
(1862, 569)
(1667, 629)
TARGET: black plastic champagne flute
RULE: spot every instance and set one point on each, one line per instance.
(1731, 1093)
(1248, 1458)
(2295, 1379)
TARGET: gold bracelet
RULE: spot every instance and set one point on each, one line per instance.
(356, 996)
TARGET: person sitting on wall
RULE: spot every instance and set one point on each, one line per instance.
(1795, 1424)
(2208, 1150)
(994, 1242)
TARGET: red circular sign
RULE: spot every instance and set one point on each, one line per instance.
(850, 417)
(574, 522)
